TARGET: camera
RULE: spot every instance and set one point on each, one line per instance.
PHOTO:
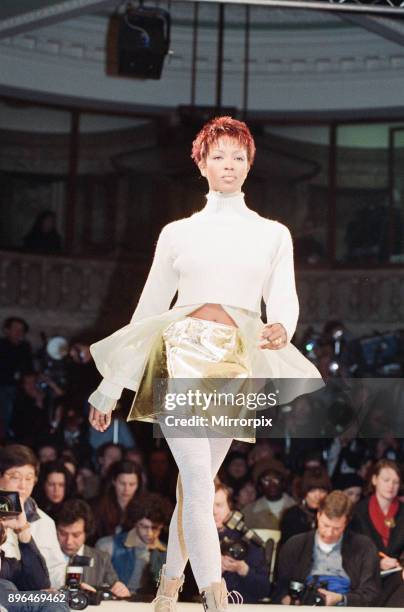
(236, 549)
(10, 505)
(78, 598)
(306, 594)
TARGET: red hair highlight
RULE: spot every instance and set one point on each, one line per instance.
(220, 127)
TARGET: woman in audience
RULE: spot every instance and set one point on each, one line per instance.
(314, 487)
(111, 509)
(235, 472)
(381, 517)
(55, 485)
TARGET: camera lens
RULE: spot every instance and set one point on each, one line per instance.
(77, 600)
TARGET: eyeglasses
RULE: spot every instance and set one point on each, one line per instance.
(269, 479)
(17, 477)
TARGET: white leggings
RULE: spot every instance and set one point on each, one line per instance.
(197, 349)
(198, 460)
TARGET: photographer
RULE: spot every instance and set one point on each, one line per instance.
(346, 561)
(19, 472)
(29, 573)
(74, 523)
(249, 576)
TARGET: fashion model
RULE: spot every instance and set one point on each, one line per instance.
(222, 261)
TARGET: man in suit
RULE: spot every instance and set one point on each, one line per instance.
(74, 523)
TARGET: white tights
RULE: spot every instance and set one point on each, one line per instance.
(198, 460)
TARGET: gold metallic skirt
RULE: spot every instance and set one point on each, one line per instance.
(198, 355)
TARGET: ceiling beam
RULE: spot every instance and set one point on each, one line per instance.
(390, 29)
(388, 7)
(38, 18)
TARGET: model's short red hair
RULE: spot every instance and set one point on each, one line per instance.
(217, 128)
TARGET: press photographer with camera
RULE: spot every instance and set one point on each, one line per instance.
(243, 562)
(346, 563)
(19, 472)
(74, 524)
(28, 573)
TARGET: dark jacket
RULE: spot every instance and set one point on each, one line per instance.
(359, 560)
(361, 523)
(28, 574)
(102, 572)
(297, 519)
(255, 585)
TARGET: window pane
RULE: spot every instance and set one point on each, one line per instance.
(368, 229)
(290, 182)
(34, 154)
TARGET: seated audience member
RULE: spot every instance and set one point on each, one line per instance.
(18, 472)
(72, 431)
(246, 495)
(381, 518)
(350, 484)
(55, 485)
(31, 420)
(43, 236)
(138, 555)
(28, 573)
(74, 522)
(162, 474)
(121, 490)
(249, 576)
(345, 561)
(106, 455)
(15, 359)
(266, 511)
(47, 452)
(135, 455)
(314, 487)
(87, 481)
(235, 472)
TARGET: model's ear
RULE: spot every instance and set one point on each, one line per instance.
(202, 167)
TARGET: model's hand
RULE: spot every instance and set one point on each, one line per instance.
(273, 337)
(99, 420)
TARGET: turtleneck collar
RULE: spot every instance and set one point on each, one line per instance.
(226, 203)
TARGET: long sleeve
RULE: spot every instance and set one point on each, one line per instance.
(158, 292)
(279, 292)
(30, 572)
(162, 281)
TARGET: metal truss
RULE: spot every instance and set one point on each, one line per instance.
(387, 7)
(66, 9)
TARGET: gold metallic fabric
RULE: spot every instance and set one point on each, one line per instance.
(205, 351)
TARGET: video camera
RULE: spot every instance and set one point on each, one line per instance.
(306, 594)
(10, 505)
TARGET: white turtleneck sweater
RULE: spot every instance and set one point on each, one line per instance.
(225, 254)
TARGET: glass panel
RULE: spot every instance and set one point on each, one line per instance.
(397, 195)
(289, 182)
(34, 157)
(107, 190)
(364, 235)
